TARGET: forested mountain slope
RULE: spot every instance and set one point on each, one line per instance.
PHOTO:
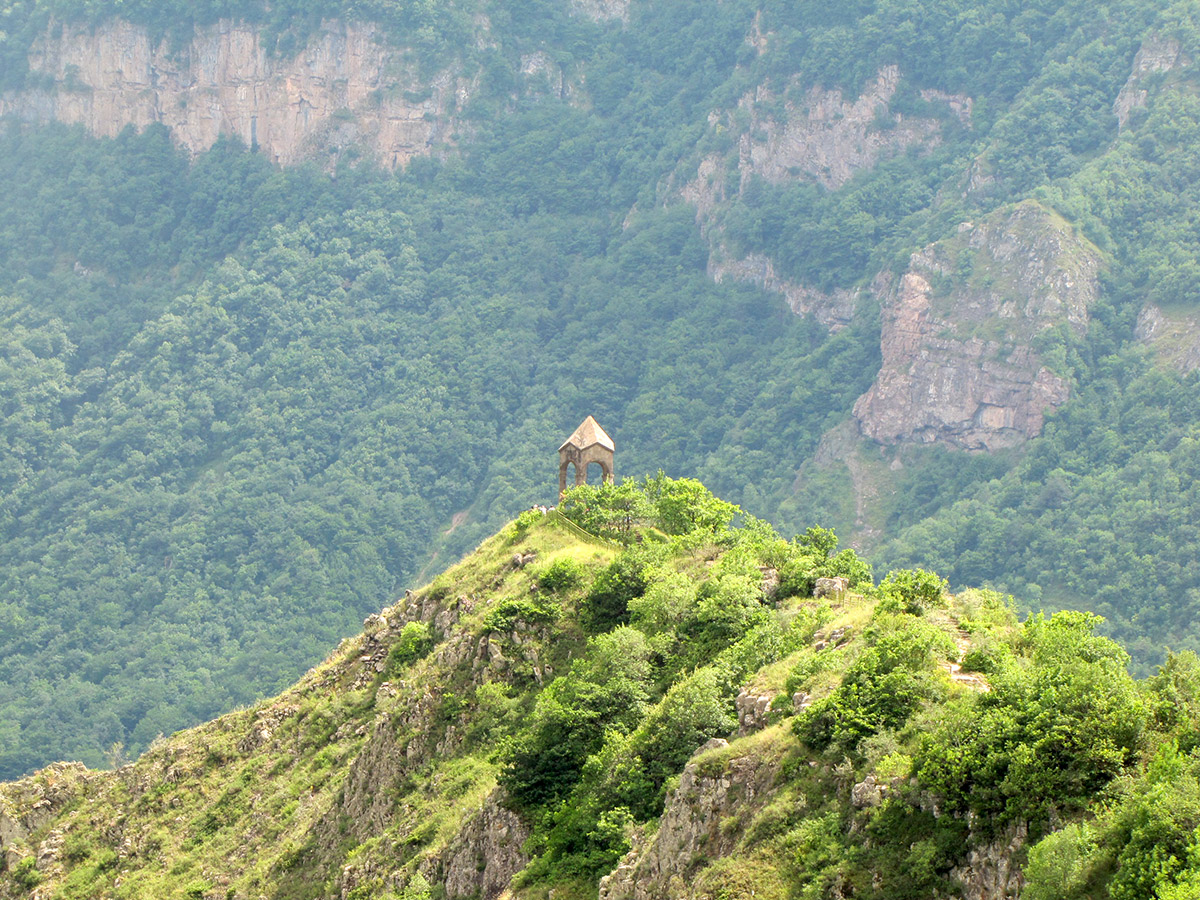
(663, 713)
(923, 272)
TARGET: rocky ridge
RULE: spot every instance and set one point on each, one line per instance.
(343, 744)
(377, 775)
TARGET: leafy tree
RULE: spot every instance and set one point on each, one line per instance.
(912, 591)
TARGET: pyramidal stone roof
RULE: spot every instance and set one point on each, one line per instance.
(587, 434)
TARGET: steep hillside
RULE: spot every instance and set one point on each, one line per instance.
(668, 713)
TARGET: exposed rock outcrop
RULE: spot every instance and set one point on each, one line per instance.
(826, 137)
(959, 365)
(1157, 54)
(485, 855)
(752, 710)
(1173, 336)
(691, 827)
(822, 137)
(817, 135)
(833, 309)
(601, 10)
(992, 871)
(30, 804)
(346, 88)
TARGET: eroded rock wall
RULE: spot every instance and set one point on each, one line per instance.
(691, 828)
(1157, 54)
(601, 10)
(959, 327)
(346, 88)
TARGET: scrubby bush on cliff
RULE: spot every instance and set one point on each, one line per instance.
(884, 687)
(607, 601)
(562, 576)
(814, 555)
(1046, 737)
(607, 688)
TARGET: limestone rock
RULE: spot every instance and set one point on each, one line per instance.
(770, 581)
(1157, 54)
(690, 829)
(959, 367)
(868, 793)
(829, 138)
(347, 87)
(991, 871)
(1174, 337)
(33, 802)
(752, 711)
(831, 587)
(485, 855)
(833, 309)
(601, 10)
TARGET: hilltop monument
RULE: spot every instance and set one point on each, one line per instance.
(587, 444)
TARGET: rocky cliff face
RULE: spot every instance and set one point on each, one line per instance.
(959, 330)
(28, 806)
(817, 135)
(1173, 335)
(833, 309)
(347, 88)
(825, 137)
(1157, 54)
(990, 871)
(694, 825)
(601, 10)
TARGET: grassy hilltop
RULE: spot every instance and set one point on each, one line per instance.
(631, 683)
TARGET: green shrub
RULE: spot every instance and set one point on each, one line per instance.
(77, 846)
(684, 505)
(666, 602)
(605, 690)
(882, 689)
(813, 557)
(1058, 865)
(607, 601)
(530, 610)
(525, 521)
(692, 711)
(415, 640)
(26, 874)
(913, 591)
(609, 510)
(987, 656)
(1047, 737)
(726, 609)
(562, 576)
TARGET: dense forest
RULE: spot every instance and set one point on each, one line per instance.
(245, 406)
